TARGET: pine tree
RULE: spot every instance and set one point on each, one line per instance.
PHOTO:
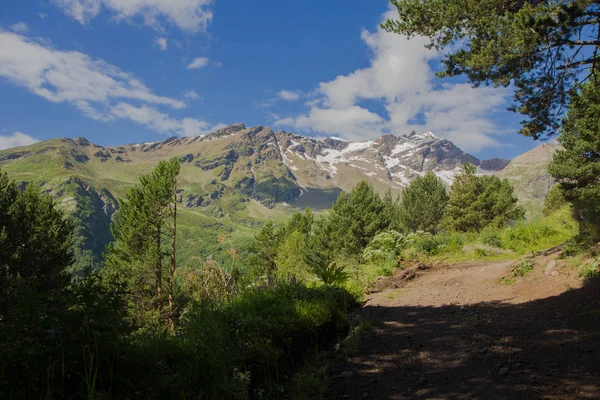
(145, 227)
(478, 201)
(263, 251)
(35, 251)
(576, 167)
(355, 218)
(389, 214)
(423, 204)
(541, 48)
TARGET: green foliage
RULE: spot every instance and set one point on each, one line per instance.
(505, 280)
(481, 253)
(289, 260)
(539, 47)
(519, 270)
(35, 249)
(478, 201)
(590, 271)
(522, 269)
(555, 200)
(385, 251)
(389, 213)
(241, 348)
(92, 233)
(355, 218)
(576, 167)
(491, 236)
(424, 242)
(332, 273)
(423, 204)
(262, 252)
(144, 229)
(385, 247)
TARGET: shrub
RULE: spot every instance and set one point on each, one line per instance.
(385, 247)
(482, 253)
(424, 242)
(590, 271)
(522, 269)
(491, 236)
(332, 273)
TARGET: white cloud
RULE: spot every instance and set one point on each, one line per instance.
(161, 43)
(188, 15)
(19, 27)
(15, 140)
(159, 121)
(191, 94)
(288, 95)
(99, 90)
(42, 15)
(197, 63)
(400, 78)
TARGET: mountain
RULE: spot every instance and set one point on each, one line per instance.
(231, 179)
(529, 176)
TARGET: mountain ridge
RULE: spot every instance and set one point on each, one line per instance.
(289, 163)
(233, 179)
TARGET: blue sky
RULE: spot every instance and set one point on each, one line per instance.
(126, 71)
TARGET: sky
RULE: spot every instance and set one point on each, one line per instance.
(131, 71)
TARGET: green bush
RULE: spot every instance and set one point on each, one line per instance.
(522, 269)
(385, 247)
(590, 271)
(424, 242)
(490, 235)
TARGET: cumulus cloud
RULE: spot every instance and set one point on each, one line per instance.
(191, 94)
(188, 15)
(15, 140)
(197, 63)
(288, 95)
(19, 27)
(161, 43)
(401, 79)
(160, 122)
(98, 89)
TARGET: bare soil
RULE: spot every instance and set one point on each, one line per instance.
(454, 332)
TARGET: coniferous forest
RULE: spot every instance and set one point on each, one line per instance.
(151, 318)
(141, 326)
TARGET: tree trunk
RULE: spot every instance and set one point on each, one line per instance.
(172, 274)
(158, 265)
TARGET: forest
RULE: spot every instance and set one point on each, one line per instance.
(141, 326)
(148, 324)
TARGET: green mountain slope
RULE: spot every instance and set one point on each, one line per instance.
(231, 180)
(529, 175)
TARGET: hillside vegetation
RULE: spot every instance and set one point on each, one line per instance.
(231, 181)
(155, 321)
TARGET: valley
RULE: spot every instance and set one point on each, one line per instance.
(236, 178)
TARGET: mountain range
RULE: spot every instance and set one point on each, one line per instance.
(236, 177)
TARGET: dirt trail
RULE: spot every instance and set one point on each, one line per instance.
(454, 332)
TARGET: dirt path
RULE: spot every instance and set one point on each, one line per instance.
(454, 332)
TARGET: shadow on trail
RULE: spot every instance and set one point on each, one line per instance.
(543, 349)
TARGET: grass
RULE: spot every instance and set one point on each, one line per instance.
(522, 269)
(519, 270)
(265, 342)
(507, 281)
(495, 244)
(589, 271)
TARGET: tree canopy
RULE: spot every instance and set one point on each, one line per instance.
(423, 204)
(576, 167)
(544, 48)
(478, 201)
(143, 230)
